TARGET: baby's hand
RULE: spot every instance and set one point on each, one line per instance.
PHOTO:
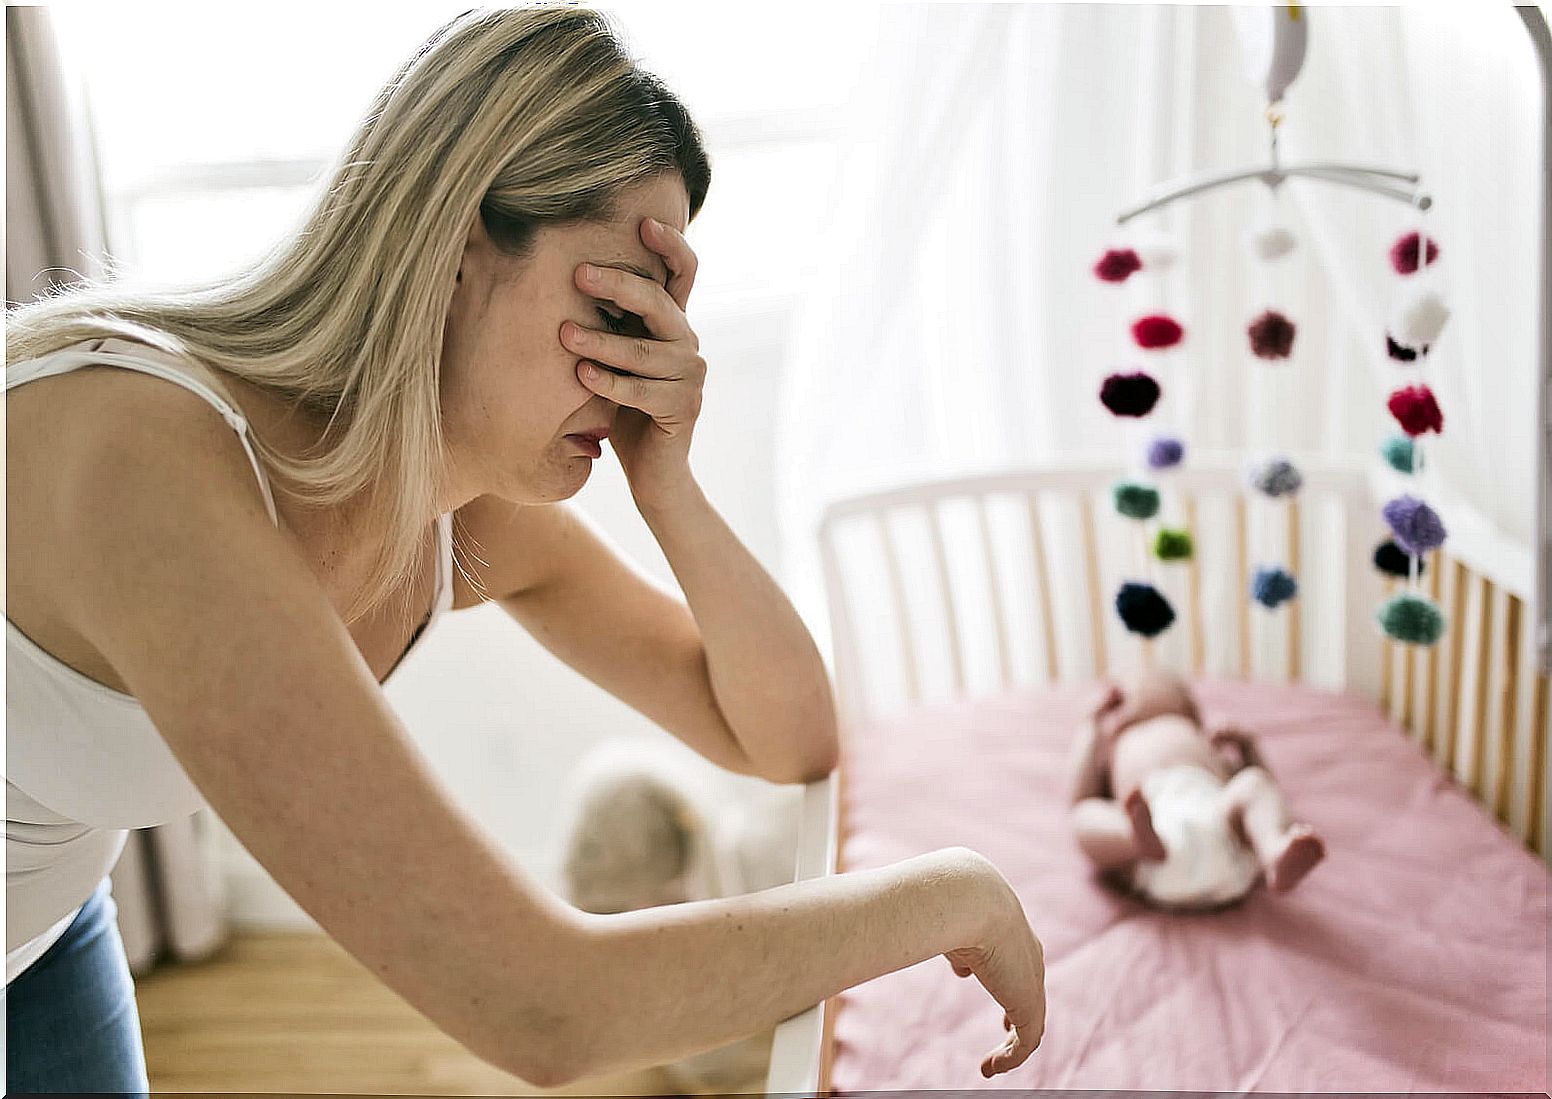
(1225, 736)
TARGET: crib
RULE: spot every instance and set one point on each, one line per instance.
(971, 616)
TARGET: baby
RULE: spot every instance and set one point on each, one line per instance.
(1183, 818)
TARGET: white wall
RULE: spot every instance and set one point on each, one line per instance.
(500, 719)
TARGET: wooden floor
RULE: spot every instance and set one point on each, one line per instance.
(293, 1013)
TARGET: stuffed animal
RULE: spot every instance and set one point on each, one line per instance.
(643, 828)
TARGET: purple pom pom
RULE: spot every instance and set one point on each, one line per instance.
(1165, 451)
(1415, 526)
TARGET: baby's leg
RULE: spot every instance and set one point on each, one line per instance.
(1114, 835)
(1286, 850)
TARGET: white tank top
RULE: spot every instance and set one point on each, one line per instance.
(83, 762)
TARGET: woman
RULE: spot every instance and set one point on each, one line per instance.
(210, 579)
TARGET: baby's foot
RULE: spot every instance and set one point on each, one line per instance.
(1301, 850)
(1149, 846)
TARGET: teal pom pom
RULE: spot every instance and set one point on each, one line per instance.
(1135, 500)
(1397, 452)
(1411, 618)
(1171, 544)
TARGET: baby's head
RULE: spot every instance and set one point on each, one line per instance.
(1144, 694)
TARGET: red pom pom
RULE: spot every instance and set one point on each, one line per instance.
(1415, 410)
(1271, 335)
(1156, 331)
(1117, 264)
(1404, 253)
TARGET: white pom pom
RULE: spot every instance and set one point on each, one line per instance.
(1157, 252)
(1270, 242)
(1420, 320)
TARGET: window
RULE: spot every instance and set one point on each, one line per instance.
(212, 122)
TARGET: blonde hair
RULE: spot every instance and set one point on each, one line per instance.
(519, 116)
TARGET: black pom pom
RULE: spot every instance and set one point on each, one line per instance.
(1391, 559)
(1402, 354)
(1143, 609)
(1129, 394)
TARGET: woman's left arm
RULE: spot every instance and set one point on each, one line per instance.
(766, 673)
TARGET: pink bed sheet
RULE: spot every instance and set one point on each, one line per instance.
(1414, 959)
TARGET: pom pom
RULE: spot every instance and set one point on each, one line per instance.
(1415, 410)
(1129, 394)
(1271, 335)
(1143, 609)
(1398, 452)
(1420, 320)
(1117, 265)
(1403, 254)
(1165, 451)
(1392, 560)
(1416, 527)
(1399, 353)
(1276, 477)
(1156, 331)
(1411, 618)
(1170, 544)
(1271, 586)
(1270, 242)
(1157, 252)
(1135, 500)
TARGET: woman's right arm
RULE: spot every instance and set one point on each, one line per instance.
(214, 621)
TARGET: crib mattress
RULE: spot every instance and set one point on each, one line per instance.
(1413, 959)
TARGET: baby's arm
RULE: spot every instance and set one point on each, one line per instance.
(1088, 768)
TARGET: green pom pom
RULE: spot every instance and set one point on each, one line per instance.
(1397, 452)
(1135, 500)
(1170, 544)
(1411, 618)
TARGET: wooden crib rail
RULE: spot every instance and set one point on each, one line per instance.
(1068, 556)
(1483, 715)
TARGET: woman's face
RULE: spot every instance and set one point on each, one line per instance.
(509, 388)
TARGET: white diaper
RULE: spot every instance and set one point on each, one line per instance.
(1206, 863)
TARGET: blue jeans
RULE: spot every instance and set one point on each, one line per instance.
(71, 1023)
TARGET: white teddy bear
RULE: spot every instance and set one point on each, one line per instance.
(642, 828)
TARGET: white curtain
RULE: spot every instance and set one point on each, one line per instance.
(958, 326)
(166, 884)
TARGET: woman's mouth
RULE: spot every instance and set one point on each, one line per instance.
(589, 443)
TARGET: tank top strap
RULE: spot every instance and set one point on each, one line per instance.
(147, 360)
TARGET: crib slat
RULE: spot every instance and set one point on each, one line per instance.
(848, 662)
(1407, 653)
(1538, 762)
(1242, 583)
(1508, 695)
(1431, 677)
(1484, 669)
(1193, 587)
(1457, 630)
(897, 594)
(1295, 641)
(1047, 622)
(1091, 576)
(945, 592)
(1387, 659)
(995, 588)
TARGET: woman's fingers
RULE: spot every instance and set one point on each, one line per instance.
(662, 314)
(670, 403)
(632, 354)
(669, 243)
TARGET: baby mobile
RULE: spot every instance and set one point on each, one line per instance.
(1274, 40)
